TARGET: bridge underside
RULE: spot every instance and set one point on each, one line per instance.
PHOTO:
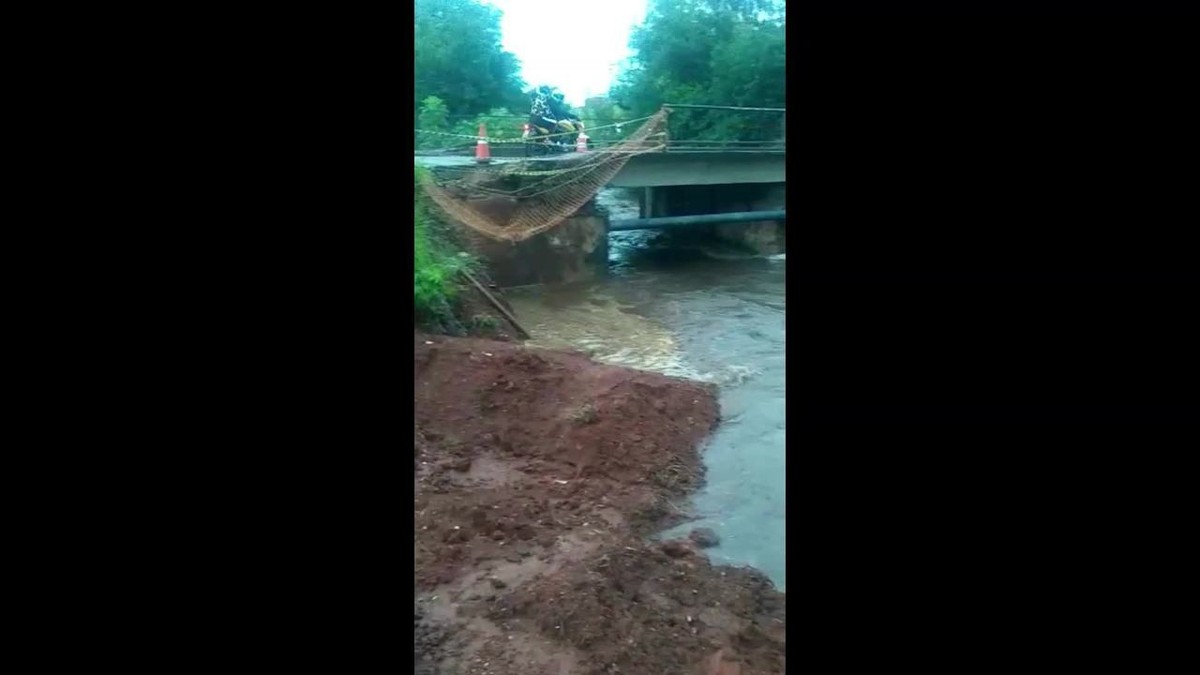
(665, 169)
(739, 197)
(701, 168)
(624, 224)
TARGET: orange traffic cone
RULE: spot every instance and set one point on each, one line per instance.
(581, 144)
(483, 154)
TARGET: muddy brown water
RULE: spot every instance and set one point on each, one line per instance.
(706, 312)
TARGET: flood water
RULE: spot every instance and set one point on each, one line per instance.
(704, 312)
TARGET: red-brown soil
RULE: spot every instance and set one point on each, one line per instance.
(538, 476)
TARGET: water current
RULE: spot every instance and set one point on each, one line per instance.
(704, 312)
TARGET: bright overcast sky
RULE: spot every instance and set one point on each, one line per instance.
(575, 46)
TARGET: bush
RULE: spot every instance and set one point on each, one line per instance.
(432, 117)
(436, 268)
(500, 123)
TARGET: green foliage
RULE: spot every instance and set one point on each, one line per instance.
(436, 268)
(462, 76)
(499, 123)
(600, 113)
(457, 57)
(432, 117)
(709, 52)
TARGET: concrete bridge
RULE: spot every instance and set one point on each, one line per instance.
(656, 169)
(730, 190)
(680, 163)
(656, 172)
(687, 189)
(701, 167)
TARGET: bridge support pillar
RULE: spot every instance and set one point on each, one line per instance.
(647, 203)
(764, 237)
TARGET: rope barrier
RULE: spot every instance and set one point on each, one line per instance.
(491, 139)
(540, 204)
(534, 199)
(690, 106)
(533, 189)
(590, 155)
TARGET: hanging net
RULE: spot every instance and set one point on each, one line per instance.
(513, 202)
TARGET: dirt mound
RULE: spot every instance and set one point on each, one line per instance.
(631, 605)
(537, 472)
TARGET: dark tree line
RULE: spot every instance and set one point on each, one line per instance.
(460, 71)
(458, 58)
(714, 52)
(709, 52)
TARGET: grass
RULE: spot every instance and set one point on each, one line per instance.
(436, 267)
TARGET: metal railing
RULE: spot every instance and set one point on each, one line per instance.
(691, 128)
(723, 128)
(690, 106)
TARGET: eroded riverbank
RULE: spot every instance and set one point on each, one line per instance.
(681, 311)
(537, 476)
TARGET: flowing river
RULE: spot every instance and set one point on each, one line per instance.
(708, 313)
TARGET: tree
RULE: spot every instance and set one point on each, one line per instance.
(457, 57)
(601, 114)
(432, 117)
(498, 122)
(713, 52)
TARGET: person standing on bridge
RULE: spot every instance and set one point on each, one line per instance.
(558, 108)
(548, 115)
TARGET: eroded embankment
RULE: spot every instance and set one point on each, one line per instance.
(538, 475)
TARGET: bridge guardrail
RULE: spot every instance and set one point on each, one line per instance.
(700, 128)
(690, 128)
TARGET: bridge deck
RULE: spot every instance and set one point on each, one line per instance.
(660, 169)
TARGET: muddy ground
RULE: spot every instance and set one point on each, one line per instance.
(538, 476)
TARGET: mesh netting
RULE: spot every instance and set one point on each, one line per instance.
(535, 201)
